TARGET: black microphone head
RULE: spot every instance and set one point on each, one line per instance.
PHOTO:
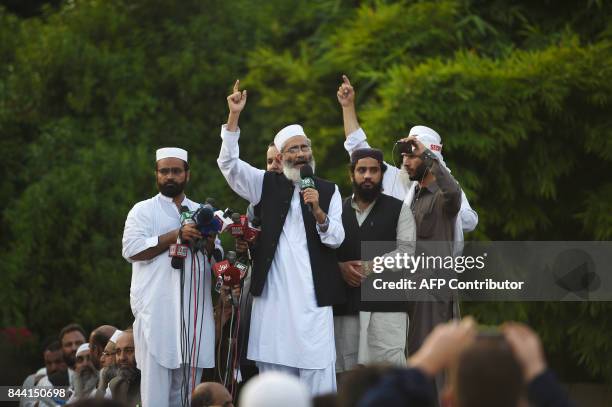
(231, 256)
(236, 217)
(217, 255)
(210, 201)
(177, 263)
(306, 171)
(204, 215)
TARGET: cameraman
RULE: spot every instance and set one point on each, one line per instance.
(396, 181)
(163, 300)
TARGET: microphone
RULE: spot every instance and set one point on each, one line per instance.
(307, 180)
(178, 251)
(225, 271)
(237, 228)
(218, 270)
(229, 273)
(252, 231)
(224, 218)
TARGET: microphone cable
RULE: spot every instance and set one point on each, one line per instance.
(200, 284)
(236, 362)
(183, 338)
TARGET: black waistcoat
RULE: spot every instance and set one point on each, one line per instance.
(272, 209)
(380, 225)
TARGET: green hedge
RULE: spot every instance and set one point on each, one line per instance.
(519, 91)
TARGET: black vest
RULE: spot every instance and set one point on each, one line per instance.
(272, 209)
(380, 225)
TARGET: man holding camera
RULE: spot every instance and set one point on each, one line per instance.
(396, 181)
(440, 208)
(173, 328)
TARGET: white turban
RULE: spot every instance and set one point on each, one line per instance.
(274, 389)
(286, 133)
(171, 152)
(115, 336)
(430, 139)
(83, 348)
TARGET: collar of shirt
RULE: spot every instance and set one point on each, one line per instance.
(432, 187)
(356, 207)
(171, 200)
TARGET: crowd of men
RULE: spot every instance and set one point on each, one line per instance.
(305, 335)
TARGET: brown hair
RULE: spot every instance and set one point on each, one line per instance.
(487, 374)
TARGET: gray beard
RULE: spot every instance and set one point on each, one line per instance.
(106, 375)
(85, 382)
(128, 373)
(292, 173)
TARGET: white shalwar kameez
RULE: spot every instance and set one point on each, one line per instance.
(155, 300)
(289, 332)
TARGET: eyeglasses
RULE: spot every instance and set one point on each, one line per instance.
(127, 351)
(174, 171)
(295, 149)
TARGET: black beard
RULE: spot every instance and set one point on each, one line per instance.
(129, 373)
(171, 189)
(420, 173)
(367, 194)
(70, 360)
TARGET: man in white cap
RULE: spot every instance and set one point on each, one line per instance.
(86, 377)
(108, 355)
(295, 277)
(173, 328)
(108, 361)
(275, 389)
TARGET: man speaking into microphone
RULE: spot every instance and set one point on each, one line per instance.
(173, 328)
(295, 277)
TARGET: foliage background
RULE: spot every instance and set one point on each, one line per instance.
(519, 90)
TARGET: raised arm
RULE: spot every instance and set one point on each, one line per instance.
(451, 192)
(244, 179)
(346, 98)
(356, 138)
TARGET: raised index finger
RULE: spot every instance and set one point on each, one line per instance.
(236, 85)
(345, 79)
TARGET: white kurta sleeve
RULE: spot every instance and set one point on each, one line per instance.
(355, 141)
(468, 216)
(244, 179)
(334, 235)
(138, 233)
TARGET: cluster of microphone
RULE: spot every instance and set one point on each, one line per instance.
(232, 271)
(210, 221)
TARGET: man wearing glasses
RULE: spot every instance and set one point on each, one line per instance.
(295, 277)
(173, 327)
(125, 387)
